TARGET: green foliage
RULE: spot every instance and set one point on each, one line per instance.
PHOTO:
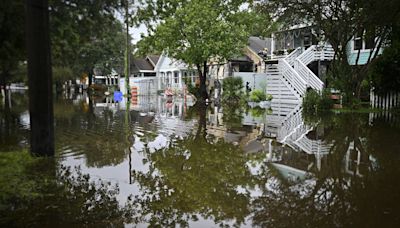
(195, 30)
(385, 72)
(12, 38)
(192, 89)
(258, 111)
(232, 90)
(84, 34)
(257, 96)
(314, 102)
(62, 74)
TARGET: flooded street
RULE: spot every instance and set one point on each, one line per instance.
(170, 163)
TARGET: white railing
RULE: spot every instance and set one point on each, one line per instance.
(293, 79)
(290, 124)
(313, 53)
(291, 58)
(297, 76)
(311, 146)
(311, 79)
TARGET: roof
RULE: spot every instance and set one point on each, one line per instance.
(139, 64)
(241, 58)
(257, 44)
(153, 59)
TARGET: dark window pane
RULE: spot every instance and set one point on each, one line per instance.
(370, 43)
(358, 43)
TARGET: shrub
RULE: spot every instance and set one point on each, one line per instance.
(257, 96)
(314, 102)
(233, 89)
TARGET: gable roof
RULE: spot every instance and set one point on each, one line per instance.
(153, 59)
(139, 64)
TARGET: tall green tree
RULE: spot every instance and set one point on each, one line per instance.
(85, 34)
(195, 31)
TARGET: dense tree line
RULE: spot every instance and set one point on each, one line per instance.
(83, 34)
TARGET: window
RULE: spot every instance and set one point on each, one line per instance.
(176, 77)
(370, 38)
(358, 41)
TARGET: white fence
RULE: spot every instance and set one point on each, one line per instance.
(386, 101)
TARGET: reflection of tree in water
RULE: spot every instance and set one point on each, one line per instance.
(12, 131)
(335, 197)
(44, 197)
(101, 137)
(193, 177)
(233, 116)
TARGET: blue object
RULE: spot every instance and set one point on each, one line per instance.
(117, 96)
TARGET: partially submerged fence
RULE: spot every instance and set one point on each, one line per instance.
(387, 101)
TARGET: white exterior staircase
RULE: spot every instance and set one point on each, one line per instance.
(289, 78)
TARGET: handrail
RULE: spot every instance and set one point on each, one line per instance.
(293, 55)
(308, 56)
(312, 80)
(292, 77)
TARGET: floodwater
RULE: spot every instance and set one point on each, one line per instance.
(166, 163)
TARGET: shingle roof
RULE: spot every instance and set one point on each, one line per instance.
(256, 44)
(139, 64)
(154, 59)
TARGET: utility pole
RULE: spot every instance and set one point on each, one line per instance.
(127, 50)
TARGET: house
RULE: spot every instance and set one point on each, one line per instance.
(142, 79)
(360, 48)
(250, 66)
(105, 79)
(251, 61)
(171, 74)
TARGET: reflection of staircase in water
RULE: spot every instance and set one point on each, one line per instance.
(291, 130)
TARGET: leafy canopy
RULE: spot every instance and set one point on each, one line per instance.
(195, 30)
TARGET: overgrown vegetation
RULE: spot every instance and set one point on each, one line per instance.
(314, 102)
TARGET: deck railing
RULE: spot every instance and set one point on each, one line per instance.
(313, 53)
(294, 81)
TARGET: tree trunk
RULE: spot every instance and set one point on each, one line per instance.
(40, 78)
(203, 78)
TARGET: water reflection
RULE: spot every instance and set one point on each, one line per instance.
(176, 163)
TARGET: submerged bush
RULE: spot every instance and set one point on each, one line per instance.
(314, 102)
(232, 90)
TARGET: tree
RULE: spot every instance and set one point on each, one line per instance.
(339, 21)
(40, 79)
(85, 34)
(195, 31)
(12, 36)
